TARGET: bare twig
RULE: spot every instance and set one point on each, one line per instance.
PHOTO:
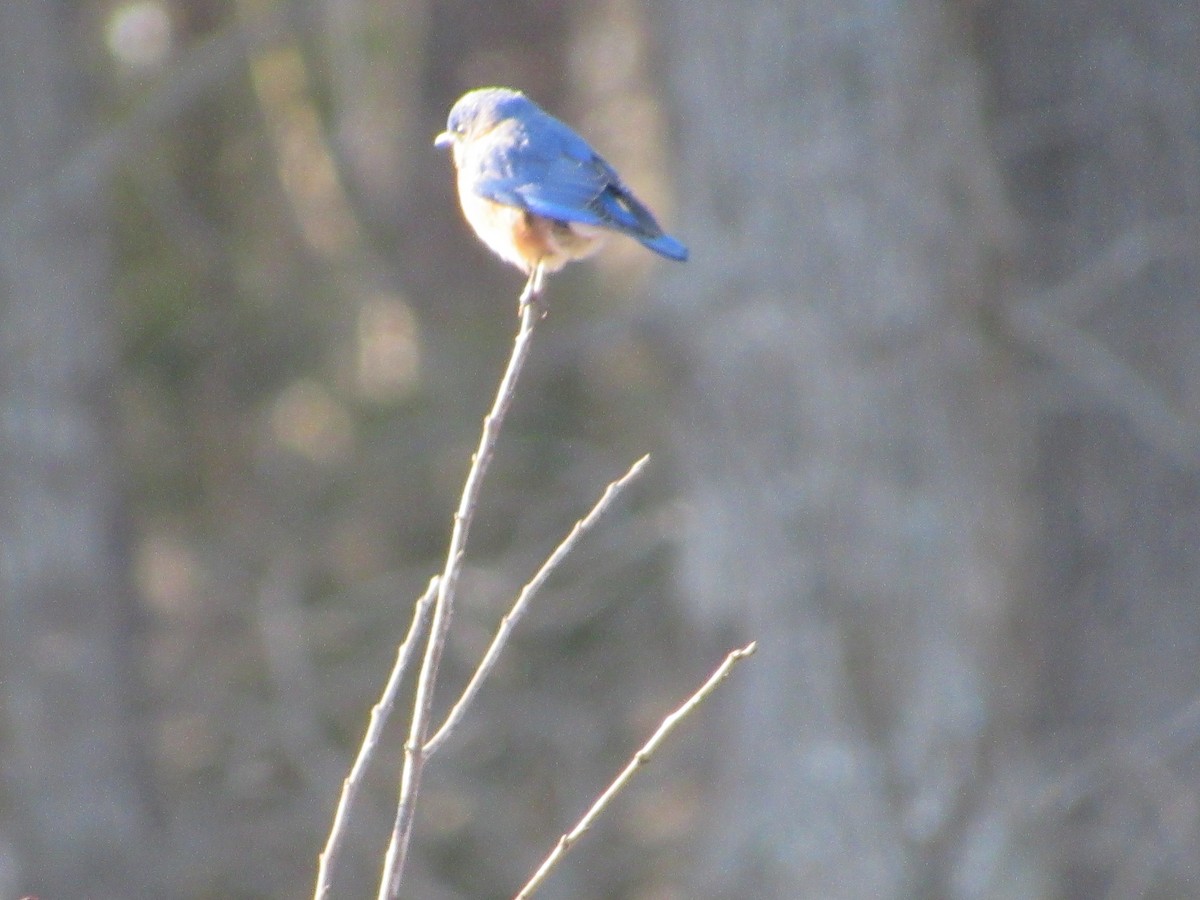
(639, 759)
(509, 622)
(414, 748)
(379, 716)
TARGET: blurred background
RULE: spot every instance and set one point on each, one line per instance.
(922, 407)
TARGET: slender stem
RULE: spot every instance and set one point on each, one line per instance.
(639, 759)
(509, 622)
(414, 748)
(379, 717)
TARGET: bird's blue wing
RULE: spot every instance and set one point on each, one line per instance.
(544, 167)
(541, 165)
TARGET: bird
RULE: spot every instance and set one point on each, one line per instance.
(534, 191)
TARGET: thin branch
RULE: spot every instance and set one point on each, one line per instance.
(414, 748)
(379, 716)
(640, 759)
(509, 622)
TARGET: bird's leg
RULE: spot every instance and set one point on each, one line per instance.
(527, 294)
(533, 290)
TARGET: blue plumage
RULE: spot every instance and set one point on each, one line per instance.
(534, 190)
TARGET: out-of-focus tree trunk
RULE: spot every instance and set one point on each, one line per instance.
(851, 444)
(73, 806)
(1098, 126)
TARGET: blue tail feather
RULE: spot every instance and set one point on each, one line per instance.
(665, 245)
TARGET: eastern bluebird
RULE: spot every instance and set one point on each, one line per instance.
(535, 192)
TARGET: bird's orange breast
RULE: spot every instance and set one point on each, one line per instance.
(523, 238)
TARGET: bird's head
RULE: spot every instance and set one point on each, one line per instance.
(479, 111)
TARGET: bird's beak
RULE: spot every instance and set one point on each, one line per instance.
(444, 140)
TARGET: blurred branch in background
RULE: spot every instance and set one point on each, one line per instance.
(1052, 324)
(370, 58)
(205, 67)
